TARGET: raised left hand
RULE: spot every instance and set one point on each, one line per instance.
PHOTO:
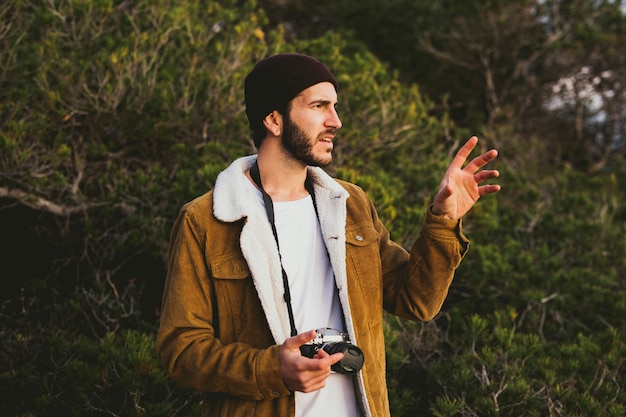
(460, 187)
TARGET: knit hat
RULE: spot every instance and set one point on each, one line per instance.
(275, 80)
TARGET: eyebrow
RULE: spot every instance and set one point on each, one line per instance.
(324, 102)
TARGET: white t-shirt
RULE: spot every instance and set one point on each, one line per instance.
(314, 298)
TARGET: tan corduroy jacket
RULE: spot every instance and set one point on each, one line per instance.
(223, 313)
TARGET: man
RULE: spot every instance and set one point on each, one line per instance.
(279, 248)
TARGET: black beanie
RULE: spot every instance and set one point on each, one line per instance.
(277, 79)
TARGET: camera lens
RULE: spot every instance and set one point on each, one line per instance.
(352, 360)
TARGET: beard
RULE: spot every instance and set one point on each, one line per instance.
(299, 144)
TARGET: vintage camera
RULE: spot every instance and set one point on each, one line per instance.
(333, 341)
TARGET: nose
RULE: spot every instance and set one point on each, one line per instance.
(333, 119)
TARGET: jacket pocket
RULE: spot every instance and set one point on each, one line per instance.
(238, 309)
(230, 267)
(363, 254)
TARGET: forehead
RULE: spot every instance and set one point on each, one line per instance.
(324, 91)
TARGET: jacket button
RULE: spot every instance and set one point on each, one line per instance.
(275, 394)
(358, 237)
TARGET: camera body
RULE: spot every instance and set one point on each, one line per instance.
(334, 341)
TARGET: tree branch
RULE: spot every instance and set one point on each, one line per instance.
(39, 203)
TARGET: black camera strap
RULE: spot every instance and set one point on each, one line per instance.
(269, 208)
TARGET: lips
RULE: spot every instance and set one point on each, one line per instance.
(327, 137)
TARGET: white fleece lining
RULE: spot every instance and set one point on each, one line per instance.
(233, 201)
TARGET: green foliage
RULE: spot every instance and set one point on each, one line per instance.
(534, 320)
(493, 365)
(390, 145)
(53, 374)
(561, 81)
(113, 114)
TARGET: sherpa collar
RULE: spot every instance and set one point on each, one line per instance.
(233, 201)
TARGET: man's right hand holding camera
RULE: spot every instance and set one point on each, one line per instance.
(301, 373)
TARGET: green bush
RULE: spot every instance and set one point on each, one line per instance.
(113, 114)
(125, 111)
(534, 323)
(53, 373)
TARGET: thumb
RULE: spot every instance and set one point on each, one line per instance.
(294, 342)
(445, 191)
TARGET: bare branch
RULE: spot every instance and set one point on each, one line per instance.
(428, 46)
(39, 203)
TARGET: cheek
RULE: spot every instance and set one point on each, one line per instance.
(309, 123)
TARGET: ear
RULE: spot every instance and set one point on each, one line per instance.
(273, 122)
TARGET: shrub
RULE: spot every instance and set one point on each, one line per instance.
(53, 373)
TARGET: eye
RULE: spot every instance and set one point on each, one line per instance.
(320, 104)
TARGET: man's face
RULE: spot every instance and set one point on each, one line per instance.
(310, 125)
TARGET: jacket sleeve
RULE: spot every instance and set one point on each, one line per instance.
(415, 286)
(187, 341)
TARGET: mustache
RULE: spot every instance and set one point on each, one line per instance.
(331, 131)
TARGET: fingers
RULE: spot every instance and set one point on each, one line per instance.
(464, 152)
(481, 160)
(488, 189)
(326, 359)
(476, 163)
(306, 374)
(294, 342)
(315, 383)
(445, 191)
(321, 354)
(301, 373)
(486, 175)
